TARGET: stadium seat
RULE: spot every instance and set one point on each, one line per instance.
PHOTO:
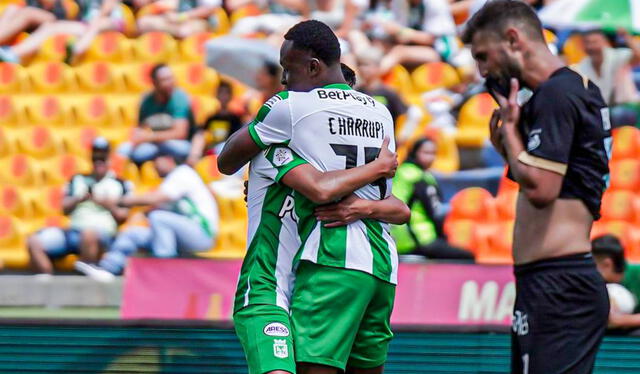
(618, 206)
(155, 47)
(77, 140)
(447, 156)
(19, 169)
(573, 50)
(13, 251)
(11, 113)
(13, 79)
(614, 227)
(51, 77)
(15, 203)
(48, 201)
(203, 106)
(94, 111)
(149, 177)
(196, 78)
(549, 36)
(434, 75)
(53, 49)
(127, 108)
(110, 46)
(137, 77)
(248, 10)
(625, 175)
(473, 121)
(473, 203)
(47, 109)
(506, 205)
(8, 143)
(399, 79)
(462, 233)
(499, 249)
(632, 249)
(507, 184)
(99, 76)
(61, 168)
(626, 143)
(130, 28)
(192, 47)
(207, 168)
(38, 142)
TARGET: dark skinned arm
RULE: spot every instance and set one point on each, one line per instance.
(352, 208)
(238, 150)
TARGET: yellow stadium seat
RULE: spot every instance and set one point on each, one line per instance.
(223, 24)
(99, 76)
(20, 170)
(8, 143)
(15, 203)
(51, 77)
(110, 46)
(13, 250)
(124, 168)
(149, 177)
(399, 79)
(10, 113)
(203, 106)
(130, 27)
(613, 227)
(549, 36)
(196, 78)
(13, 78)
(192, 47)
(434, 75)
(48, 201)
(39, 142)
(207, 168)
(61, 168)
(72, 9)
(47, 109)
(137, 77)
(573, 49)
(95, 111)
(473, 203)
(618, 206)
(447, 157)
(53, 49)
(155, 47)
(473, 121)
(626, 143)
(625, 175)
(77, 140)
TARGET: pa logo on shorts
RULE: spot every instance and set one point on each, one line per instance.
(280, 349)
(276, 329)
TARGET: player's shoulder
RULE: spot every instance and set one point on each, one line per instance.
(281, 96)
(565, 81)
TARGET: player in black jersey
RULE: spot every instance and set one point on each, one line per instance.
(557, 147)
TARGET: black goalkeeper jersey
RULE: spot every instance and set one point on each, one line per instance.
(566, 128)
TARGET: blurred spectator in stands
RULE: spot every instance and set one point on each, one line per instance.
(417, 187)
(165, 121)
(348, 74)
(180, 18)
(608, 254)
(16, 19)
(610, 69)
(217, 128)
(90, 203)
(267, 84)
(443, 102)
(371, 83)
(95, 16)
(183, 218)
(277, 17)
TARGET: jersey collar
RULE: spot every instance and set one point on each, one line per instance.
(340, 86)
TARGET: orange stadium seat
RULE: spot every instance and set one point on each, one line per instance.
(196, 78)
(15, 203)
(99, 76)
(499, 249)
(61, 168)
(77, 140)
(473, 121)
(110, 46)
(203, 106)
(53, 49)
(13, 251)
(473, 203)
(573, 50)
(137, 77)
(47, 109)
(506, 205)
(249, 10)
(19, 169)
(51, 77)
(192, 47)
(39, 142)
(463, 233)
(626, 143)
(13, 78)
(207, 168)
(625, 175)
(618, 206)
(155, 47)
(614, 227)
(400, 79)
(507, 184)
(434, 75)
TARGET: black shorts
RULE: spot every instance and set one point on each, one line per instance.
(560, 316)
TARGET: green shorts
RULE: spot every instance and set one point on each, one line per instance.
(265, 334)
(341, 317)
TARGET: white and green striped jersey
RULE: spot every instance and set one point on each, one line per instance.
(266, 276)
(333, 128)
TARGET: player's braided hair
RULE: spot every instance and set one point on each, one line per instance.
(497, 15)
(316, 37)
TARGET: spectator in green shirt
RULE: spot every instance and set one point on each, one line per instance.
(417, 187)
(165, 121)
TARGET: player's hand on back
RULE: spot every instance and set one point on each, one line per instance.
(349, 209)
(387, 161)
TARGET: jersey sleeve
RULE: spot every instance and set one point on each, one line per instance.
(273, 124)
(548, 142)
(283, 160)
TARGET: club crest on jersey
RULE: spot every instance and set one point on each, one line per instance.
(276, 329)
(280, 349)
(282, 156)
(534, 140)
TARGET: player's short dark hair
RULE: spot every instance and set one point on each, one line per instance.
(155, 69)
(609, 246)
(348, 74)
(317, 38)
(497, 15)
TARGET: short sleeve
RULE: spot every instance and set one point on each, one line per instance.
(180, 107)
(177, 183)
(553, 118)
(273, 124)
(283, 159)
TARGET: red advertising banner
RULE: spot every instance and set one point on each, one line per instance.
(442, 294)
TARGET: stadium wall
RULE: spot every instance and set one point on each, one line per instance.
(82, 346)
